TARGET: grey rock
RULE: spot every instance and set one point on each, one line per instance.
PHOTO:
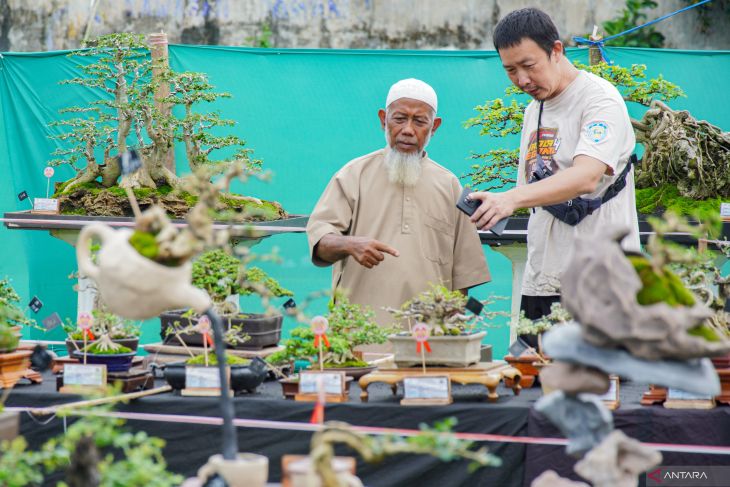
(573, 378)
(551, 479)
(566, 343)
(583, 419)
(599, 289)
(617, 461)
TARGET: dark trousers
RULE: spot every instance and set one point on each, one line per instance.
(536, 307)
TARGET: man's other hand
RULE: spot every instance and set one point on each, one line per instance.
(368, 251)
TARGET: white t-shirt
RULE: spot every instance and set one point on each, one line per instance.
(589, 117)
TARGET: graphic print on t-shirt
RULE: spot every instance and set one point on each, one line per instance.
(549, 145)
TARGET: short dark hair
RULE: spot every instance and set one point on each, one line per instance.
(531, 23)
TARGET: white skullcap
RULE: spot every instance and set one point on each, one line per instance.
(415, 89)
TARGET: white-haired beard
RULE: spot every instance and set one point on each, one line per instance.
(403, 167)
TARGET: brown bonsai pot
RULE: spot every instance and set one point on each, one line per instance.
(265, 331)
(523, 363)
(13, 366)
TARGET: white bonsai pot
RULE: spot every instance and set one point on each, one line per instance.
(449, 351)
(301, 474)
(248, 470)
(131, 285)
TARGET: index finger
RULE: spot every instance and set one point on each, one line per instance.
(386, 248)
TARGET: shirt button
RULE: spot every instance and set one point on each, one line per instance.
(406, 227)
(408, 199)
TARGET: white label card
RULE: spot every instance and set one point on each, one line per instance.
(84, 375)
(45, 204)
(725, 210)
(676, 394)
(333, 383)
(202, 377)
(426, 387)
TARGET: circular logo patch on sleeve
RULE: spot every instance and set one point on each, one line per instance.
(596, 131)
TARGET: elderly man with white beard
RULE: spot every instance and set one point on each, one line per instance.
(388, 220)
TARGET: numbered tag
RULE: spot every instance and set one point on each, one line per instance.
(35, 304)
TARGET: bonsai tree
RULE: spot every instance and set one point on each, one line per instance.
(221, 276)
(437, 441)
(535, 328)
(443, 310)
(125, 117)
(137, 461)
(10, 313)
(681, 154)
(8, 339)
(350, 325)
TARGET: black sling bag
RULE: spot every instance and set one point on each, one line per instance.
(574, 211)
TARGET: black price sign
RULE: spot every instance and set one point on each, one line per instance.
(35, 304)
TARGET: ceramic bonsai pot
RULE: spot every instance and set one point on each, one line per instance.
(354, 372)
(244, 377)
(448, 351)
(247, 470)
(13, 366)
(115, 362)
(265, 331)
(524, 363)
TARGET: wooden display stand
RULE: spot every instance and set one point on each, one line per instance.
(136, 379)
(659, 395)
(486, 374)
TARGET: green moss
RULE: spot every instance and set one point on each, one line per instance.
(94, 349)
(659, 288)
(145, 244)
(651, 201)
(704, 331)
(213, 360)
(264, 211)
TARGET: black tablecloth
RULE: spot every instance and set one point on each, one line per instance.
(189, 446)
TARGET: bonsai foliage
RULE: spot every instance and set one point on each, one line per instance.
(350, 325)
(126, 116)
(557, 316)
(105, 323)
(443, 310)
(679, 151)
(10, 313)
(128, 459)
(221, 275)
(8, 339)
(437, 441)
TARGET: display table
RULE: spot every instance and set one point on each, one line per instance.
(188, 445)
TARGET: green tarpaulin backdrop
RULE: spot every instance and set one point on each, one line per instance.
(306, 113)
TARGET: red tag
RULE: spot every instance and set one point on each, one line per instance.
(421, 332)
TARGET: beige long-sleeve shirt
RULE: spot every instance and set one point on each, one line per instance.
(437, 243)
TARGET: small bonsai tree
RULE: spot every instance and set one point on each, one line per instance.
(350, 325)
(437, 441)
(443, 310)
(95, 450)
(10, 313)
(8, 339)
(221, 275)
